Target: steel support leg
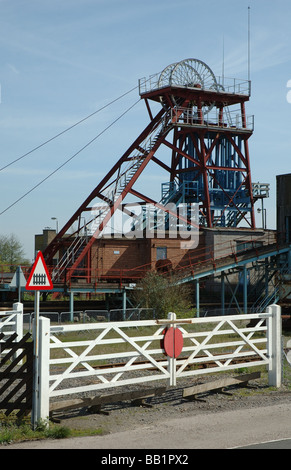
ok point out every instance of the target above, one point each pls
(266, 277)
(197, 298)
(71, 306)
(245, 288)
(222, 294)
(124, 304)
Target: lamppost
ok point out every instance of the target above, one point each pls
(264, 217)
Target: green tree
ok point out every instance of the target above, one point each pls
(11, 252)
(162, 294)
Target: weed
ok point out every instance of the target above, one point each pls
(22, 431)
(12, 430)
(57, 432)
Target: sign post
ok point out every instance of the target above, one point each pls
(172, 343)
(39, 280)
(18, 281)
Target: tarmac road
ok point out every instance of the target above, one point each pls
(221, 430)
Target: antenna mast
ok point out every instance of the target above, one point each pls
(249, 43)
(223, 60)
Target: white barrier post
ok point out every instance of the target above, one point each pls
(274, 325)
(18, 307)
(41, 401)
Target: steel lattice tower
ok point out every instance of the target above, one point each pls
(203, 124)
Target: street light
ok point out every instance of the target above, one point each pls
(264, 217)
(57, 223)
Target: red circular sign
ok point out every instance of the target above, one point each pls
(173, 342)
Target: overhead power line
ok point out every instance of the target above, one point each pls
(66, 130)
(69, 159)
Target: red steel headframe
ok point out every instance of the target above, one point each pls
(120, 180)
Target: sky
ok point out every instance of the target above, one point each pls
(61, 61)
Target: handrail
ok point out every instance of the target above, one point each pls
(231, 120)
(195, 262)
(63, 262)
(225, 85)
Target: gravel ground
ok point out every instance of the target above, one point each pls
(170, 421)
(123, 416)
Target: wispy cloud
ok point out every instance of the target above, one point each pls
(264, 54)
(13, 69)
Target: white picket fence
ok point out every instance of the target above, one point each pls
(11, 321)
(127, 353)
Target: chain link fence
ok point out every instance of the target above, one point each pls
(88, 316)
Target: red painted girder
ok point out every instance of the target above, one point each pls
(116, 205)
(208, 96)
(160, 206)
(53, 247)
(183, 154)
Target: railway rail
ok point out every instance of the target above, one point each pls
(139, 394)
(151, 366)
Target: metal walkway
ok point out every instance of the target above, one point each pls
(220, 267)
(276, 261)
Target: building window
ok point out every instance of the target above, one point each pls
(161, 252)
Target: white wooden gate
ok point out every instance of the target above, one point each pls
(11, 321)
(126, 353)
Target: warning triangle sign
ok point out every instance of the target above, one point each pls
(39, 278)
(18, 279)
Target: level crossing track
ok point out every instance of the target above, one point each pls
(138, 395)
(204, 365)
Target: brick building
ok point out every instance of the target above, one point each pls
(130, 258)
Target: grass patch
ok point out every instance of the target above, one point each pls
(22, 432)
(12, 430)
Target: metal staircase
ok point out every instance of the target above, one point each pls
(68, 258)
(111, 194)
(274, 282)
(127, 174)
